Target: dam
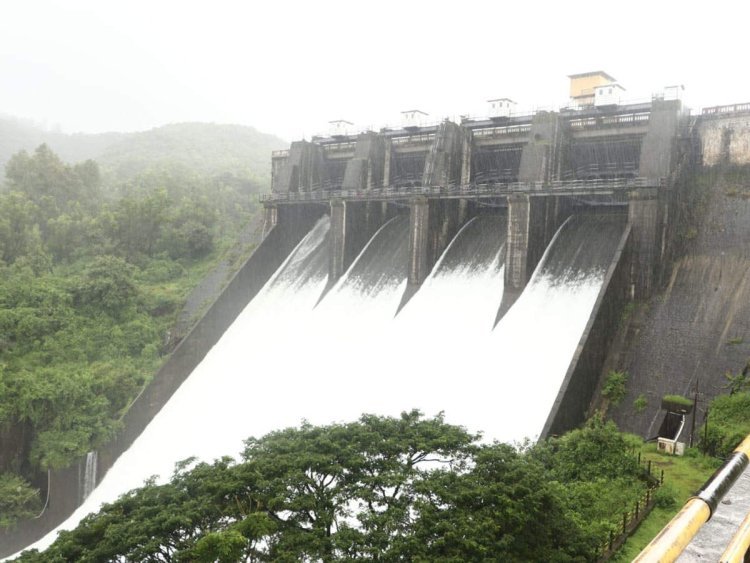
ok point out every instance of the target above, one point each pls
(420, 267)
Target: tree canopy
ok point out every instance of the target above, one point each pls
(388, 489)
(93, 272)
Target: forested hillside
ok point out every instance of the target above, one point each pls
(96, 259)
(209, 148)
(20, 134)
(222, 150)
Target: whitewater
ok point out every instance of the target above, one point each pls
(292, 356)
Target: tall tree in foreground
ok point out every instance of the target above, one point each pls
(388, 489)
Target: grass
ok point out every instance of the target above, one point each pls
(678, 400)
(684, 475)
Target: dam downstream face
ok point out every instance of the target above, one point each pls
(285, 359)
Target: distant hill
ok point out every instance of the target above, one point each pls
(202, 147)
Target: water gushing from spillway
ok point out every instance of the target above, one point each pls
(285, 359)
(88, 478)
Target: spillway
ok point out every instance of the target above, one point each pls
(535, 341)
(291, 356)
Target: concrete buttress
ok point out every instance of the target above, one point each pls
(419, 226)
(337, 256)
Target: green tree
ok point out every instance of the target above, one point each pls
(50, 183)
(391, 489)
(505, 509)
(19, 232)
(17, 500)
(138, 224)
(107, 285)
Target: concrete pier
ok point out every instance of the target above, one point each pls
(419, 236)
(270, 218)
(444, 163)
(365, 169)
(541, 157)
(527, 232)
(352, 225)
(303, 169)
(337, 257)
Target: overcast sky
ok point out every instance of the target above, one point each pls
(289, 67)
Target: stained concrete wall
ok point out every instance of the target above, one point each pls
(444, 163)
(577, 389)
(64, 489)
(541, 159)
(645, 215)
(697, 328)
(365, 170)
(658, 149)
(725, 140)
(419, 238)
(525, 244)
(303, 169)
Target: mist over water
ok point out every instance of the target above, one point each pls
(285, 359)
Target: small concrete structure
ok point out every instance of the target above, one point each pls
(340, 128)
(583, 85)
(413, 118)
(673, 92)
(501, 107)
(608, 95)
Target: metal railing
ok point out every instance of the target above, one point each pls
(631, 519)
(336, 147)
(723, 110)
(737, 550)
(559, 187)
(416, 138)
(679, 532)
(502, 130)
(640, 118)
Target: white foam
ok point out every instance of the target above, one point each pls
(285, 359)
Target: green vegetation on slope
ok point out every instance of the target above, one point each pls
(683, 475)
(92, 275)
(230, 151)
(727, 425)
(408, 488)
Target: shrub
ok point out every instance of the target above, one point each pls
(640, 403)
(614, 386)
(728, 424)
(665, 496)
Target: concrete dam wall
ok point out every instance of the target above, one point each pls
(509, 209)
(698, 328)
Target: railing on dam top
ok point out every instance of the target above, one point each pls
(470, 191)
(723, 110)
(595, 122)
